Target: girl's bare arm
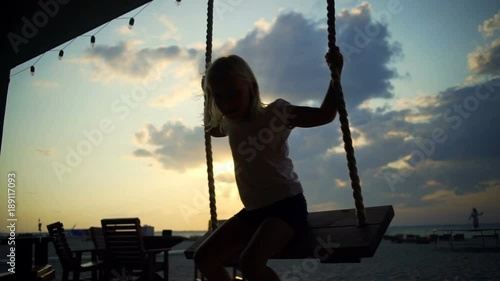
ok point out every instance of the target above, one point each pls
(303, 116)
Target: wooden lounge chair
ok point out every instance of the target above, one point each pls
(102, 254)
(97, 238)
(71, 260)
(125, 245)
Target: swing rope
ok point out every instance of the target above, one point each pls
(344, 122)
(341, 108)
(208, 140)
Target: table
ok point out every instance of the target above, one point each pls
(31, 257)
(156, 245)
(160, 242)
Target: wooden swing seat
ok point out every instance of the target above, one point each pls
(333, 236)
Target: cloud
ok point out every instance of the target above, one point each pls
(340, 183)
(368, 51)
(396, 134)
(457, 148)
(168, 101)
(431, 183)
(297, 72)
(225, 177)
(126, 30)
(45, 84)
(287, 55)
(486, 60)
(297, 45)
(490, 26)
(358, 139)
(452, 208)
(45, 151)
(179, 92)
(171, 31)
(126, 61)
(440, 195)
(323, 207)
(175, 146)
(142, 153)
(454, 152)
(410, 153)
(415, 103)
(470, 118)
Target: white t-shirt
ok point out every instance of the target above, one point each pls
(264, 172)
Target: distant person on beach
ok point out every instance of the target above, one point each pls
(474, 215)
(275, 209)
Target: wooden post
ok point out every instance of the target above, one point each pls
(4, 90)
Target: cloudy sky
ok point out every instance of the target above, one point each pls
(114, 130)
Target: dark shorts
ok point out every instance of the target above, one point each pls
(292, 210)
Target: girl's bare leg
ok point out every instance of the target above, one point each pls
(271, 237)
(226, 242)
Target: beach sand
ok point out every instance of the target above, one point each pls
(392, 261)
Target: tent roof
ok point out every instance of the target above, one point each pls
(33, 27)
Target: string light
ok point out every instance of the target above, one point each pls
(92, 40)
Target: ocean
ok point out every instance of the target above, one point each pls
(422, 230)
(392, 261)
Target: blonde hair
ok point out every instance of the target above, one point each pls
(231, 67)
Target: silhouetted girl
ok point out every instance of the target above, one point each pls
(275, 210)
